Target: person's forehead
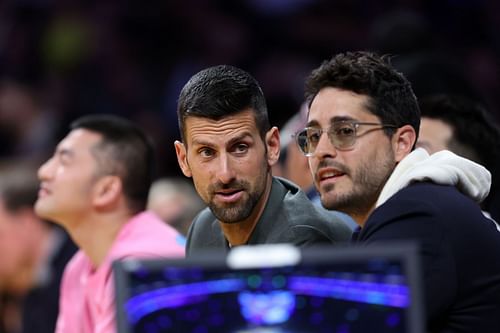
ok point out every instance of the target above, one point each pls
(236, 125)
(336, 104)
(79, 138)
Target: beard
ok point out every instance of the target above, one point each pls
(238, 211)
(242, 209)
(367, 183)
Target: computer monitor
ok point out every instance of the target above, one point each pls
(273, 289)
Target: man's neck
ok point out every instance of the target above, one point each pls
(96, 235)
(361, 217)
(238, 233)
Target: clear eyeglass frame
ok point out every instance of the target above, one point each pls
(342, 135)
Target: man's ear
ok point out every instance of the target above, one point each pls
(180, 150)
(107, 189)
(273, 145)
(403, 141)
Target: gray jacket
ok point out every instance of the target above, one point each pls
(289, 217)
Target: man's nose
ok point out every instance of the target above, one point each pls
(225, 173)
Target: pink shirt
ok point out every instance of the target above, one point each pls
(87, 295)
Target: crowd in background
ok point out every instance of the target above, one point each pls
(62, 59)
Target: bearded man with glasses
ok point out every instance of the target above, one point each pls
(366, 165)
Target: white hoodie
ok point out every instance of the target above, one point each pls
(444, 168)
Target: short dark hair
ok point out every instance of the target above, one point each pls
(219, 91)
(391, 97)
(126, 151)
(476, 135)
(19, 185)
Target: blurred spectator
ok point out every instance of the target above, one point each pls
(113, 56)
(35, 253)
(465, 127)
(175, 201)
(294, 166)
(95, 186)
(27, 129)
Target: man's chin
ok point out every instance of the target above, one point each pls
(229, 215)
(38, 208)
(331, 202)
(42, 211)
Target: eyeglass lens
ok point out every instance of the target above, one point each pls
(341, 135)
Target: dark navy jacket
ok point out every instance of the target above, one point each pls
(460, 254)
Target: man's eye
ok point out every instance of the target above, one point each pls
(344, 131)
(313, 136)
(206, 152)
(64, 159)
(241, 148)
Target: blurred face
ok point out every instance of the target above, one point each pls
(168, 206)
(349, 180)
(434, 135)
(229, 164)
(14, 243)
(67, 179)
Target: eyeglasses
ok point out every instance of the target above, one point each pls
(342, 135)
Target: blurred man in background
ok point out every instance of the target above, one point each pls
(465, 127)
(175, 201)
(27, 126)
(96, 186)
(34, 254)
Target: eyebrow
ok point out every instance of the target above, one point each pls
(64, 152)
(231, 142)
(240, 137)
(314, 123)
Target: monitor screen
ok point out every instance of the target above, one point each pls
(273, 289)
